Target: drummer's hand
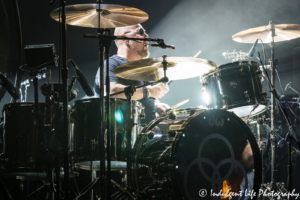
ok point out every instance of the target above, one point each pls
(161, 107)
(158, 91)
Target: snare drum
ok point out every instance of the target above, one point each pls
(85, 128)
(236, 87)
(208, 151)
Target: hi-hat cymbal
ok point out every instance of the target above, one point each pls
(283, 32)
(151, 69)
(112, 16)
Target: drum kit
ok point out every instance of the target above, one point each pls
(219, 147)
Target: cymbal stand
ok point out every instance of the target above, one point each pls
(291, 132)
(104, 45)
(273, 118)
(40, 131)
(65, 114)
(129, 91)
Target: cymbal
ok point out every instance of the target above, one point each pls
(283, 32)
(151, 69)
(112, 16)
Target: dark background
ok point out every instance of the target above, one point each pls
(190, 25)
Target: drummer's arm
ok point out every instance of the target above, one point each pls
(160, 107)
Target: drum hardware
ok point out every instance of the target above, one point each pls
(104, 43)
(129, 91)
(82, 79)
(235, 56)
(262, 32)
(291, 133)
(24, 86)
(9, 87)
(54, 91)
(6, 189)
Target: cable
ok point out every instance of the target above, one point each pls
(263, 47)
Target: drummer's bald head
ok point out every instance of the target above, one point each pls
(122, 30)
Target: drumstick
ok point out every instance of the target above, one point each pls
(197, 54)
(180, 104)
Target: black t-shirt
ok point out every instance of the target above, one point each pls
(115, 61)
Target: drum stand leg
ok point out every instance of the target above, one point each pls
(6, 189)
(98, 180)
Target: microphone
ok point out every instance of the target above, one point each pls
(9, 87)
(252, 50)
(287, 86)
(162, 45)
(82, 80)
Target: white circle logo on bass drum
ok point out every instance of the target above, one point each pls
(216, 178)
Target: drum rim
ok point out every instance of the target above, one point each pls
(29, 103)
(80, 101)
(230, 65)
(253, 143)
(251, 103)
(242, 61)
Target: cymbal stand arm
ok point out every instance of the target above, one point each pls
(162, 80)
(165, 65)
(113, 37)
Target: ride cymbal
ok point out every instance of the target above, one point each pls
(151, 69)
(283, 32)
(111, 16)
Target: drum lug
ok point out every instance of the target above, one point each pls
(225, 100)
(171, 166)
(203, 81)
(246, 93)
(242, 71)
(150, 135)
(171, 133)
(264, 95)
(142, 115)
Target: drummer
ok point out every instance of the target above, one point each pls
(128, 51)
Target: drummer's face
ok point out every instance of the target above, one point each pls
(140, 47)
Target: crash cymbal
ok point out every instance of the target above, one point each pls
(283, 32)
(112, 16)
(151, 69)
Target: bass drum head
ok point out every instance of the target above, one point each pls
(215, 151)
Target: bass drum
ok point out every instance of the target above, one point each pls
(211, 151)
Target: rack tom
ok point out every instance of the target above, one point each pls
(236, 87)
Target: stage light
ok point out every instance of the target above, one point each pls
(119, 116)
